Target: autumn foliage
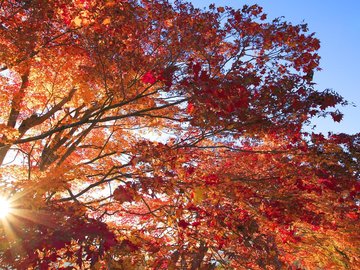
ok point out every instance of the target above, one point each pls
(149, 135)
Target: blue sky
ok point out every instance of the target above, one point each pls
(337, 25)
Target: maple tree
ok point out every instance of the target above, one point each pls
(150, 135)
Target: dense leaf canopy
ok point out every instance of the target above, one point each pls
(149, 135)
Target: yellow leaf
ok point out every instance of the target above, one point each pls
(198, 194)
(77, 21)
(106, 21)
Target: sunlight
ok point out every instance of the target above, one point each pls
(4, 207)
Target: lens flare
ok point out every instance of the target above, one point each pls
(4, 207)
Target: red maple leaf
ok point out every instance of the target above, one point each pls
(122, 195)
(337, 116)
(183, 224)
(148, 78)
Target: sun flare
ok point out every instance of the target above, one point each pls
(4, 207)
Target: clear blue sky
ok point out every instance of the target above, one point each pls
(337, 25)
